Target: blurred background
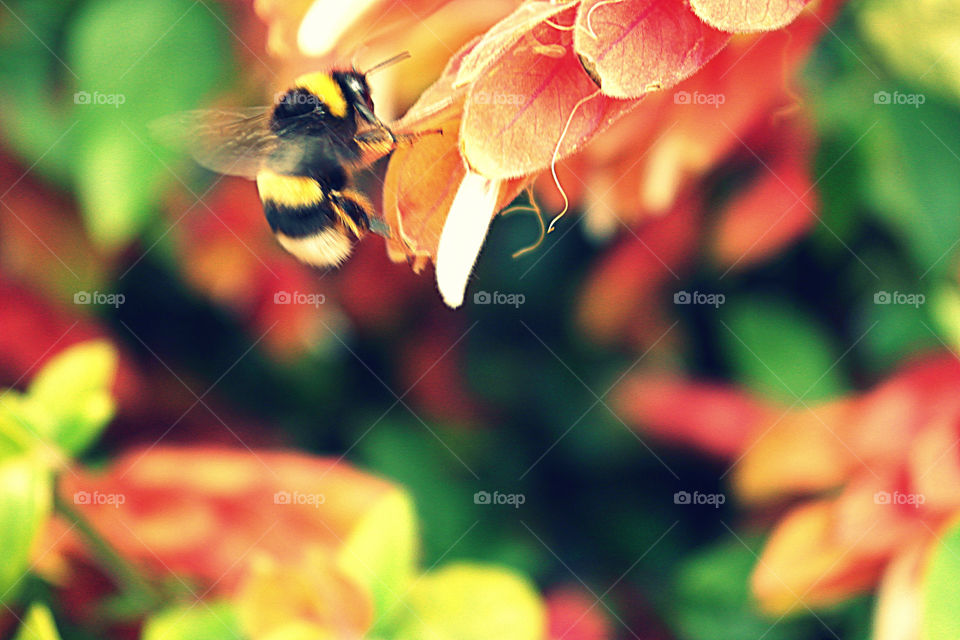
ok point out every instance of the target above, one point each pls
(755, 322)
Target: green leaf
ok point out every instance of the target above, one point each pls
(713, 600)
(38, 624)
(917, 38)
(473, 602)
(202, 621)
(901, 150)
(946, 312)
(396, 451)
(941, 590)
(26, 495)
(778, 350)
(32, 115)
(73, 391)
(116, 182)
(906, 183)
(16, 430)
(127, 78)
(382, 553)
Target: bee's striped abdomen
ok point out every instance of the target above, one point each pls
(316, 225)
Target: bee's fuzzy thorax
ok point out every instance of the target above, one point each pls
(323, 85)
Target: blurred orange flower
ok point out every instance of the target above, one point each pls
(202, 513)
(877, 473)
(538, 86)
(302, 546)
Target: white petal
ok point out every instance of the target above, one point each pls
(463, 234)
(326, 21)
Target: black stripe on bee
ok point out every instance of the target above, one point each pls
(300, 221)
(298, 206)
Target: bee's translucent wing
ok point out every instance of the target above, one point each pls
(234, 142)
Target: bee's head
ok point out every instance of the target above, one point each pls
(356, 92)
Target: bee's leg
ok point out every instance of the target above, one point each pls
(373, 145)
(407, 139)
(353, 209)
(377, 143)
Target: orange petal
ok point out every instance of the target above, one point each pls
(896, 410)
(419, 188)
(441, 100)
(315, 592)
(196, 510)
(521, 107)
(935, 463)
(717, 419)
(797, 452)
(746, 16)
(773, 211)
(637, 46)
(808, 563)
(503, 35)
(630, 279)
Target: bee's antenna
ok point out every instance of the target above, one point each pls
(400, 57)
(356, 55)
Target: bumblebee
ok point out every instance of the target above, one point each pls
(303, 153)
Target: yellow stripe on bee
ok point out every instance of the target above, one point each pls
(289, 191)
(322, 85)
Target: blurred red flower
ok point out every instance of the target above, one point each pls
(877, 475)
(200, 512)
(575, 616)
(277, 534)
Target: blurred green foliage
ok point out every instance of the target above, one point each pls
(81, 112)
(209, 621)
(941, 591)
(38, 624)
(66, 406)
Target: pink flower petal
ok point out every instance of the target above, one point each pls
(747, 16)
(636, 46)
(495, 42)
(523, 104)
